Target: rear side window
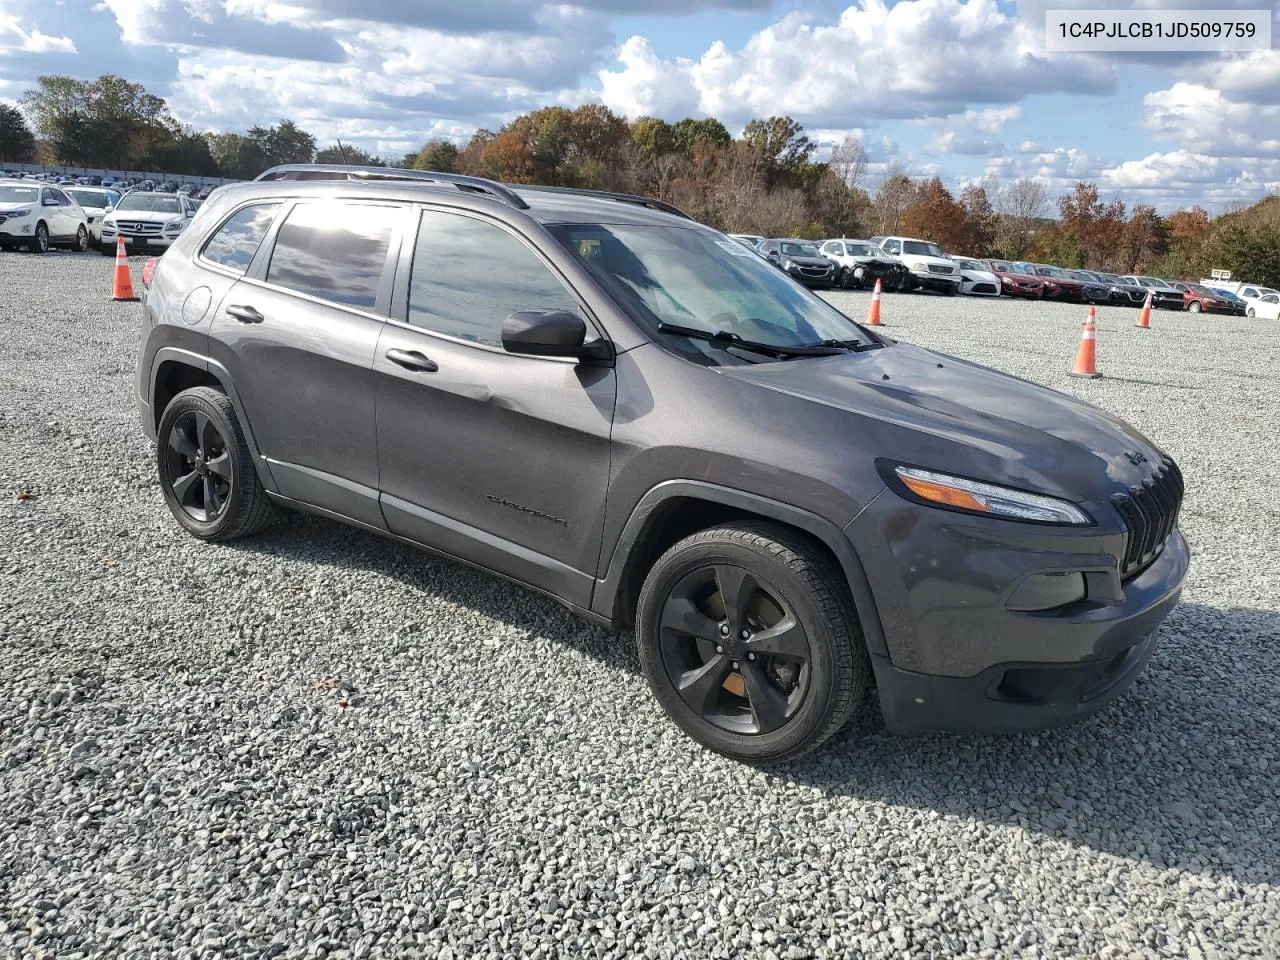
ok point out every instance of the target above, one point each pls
(468, 275)
(334, 251)
(238, 239)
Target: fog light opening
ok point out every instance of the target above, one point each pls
(1045, 591)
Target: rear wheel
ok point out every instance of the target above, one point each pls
(82, 240)
(749, 640)
(206, 469)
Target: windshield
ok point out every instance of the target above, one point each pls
(695, 278)
(1052, 272)
(863, 250)
(19, 194)
(1082, 275)
(92, 198)
(150, 202)
(792, 248)
(1203, 291)
(970, 264)
(1022, 268)
(922, 249)
(1153, 282)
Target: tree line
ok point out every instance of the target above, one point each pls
(764, 181)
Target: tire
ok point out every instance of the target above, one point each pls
(847, 280)
(39, 242)
(1250, 313)
(749, 702)
(82, 240)
(1195, 306)
(952, 290)
(240, 504)
(108, 250)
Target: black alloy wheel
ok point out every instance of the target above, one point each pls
(735, 652)
(198, 466)
(82, 240)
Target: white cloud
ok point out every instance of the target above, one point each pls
(867, 64)
(1201, 117)
(14, 38)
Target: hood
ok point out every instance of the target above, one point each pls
(926, 259)
(145, 216)
(986, 276)
(18, 205)
(987, 424)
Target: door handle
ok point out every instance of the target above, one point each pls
(245, 314)
(413, 360)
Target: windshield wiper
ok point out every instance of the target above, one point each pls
(854, 346)
(728, 339)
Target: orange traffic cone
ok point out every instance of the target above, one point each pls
(1144, 318)
(873, 310)
(1087, 353)
(122, 286)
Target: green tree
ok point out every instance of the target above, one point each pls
(286, 142)
(346, 153)
(237, 157)
(653, 138)
(784, 146)
(17, 142)
(439, 155)
(688, 133)
(106, 122)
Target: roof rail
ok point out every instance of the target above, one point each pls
(649, 202)
(342, 171)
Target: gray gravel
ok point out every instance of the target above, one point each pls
(318, 743)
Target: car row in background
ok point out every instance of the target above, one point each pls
(37, 215)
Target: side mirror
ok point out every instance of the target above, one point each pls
(50, 202)
(545, 333)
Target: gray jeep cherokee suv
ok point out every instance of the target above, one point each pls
(592, 395)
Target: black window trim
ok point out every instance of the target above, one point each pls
(208, 237)
(257, 272)
(399, 313)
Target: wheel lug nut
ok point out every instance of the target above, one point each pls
(719, 648)
(751, 656)
(724, 629)
(735, 664)
(746, 634)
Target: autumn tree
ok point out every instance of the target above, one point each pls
(895, 192)
(1094, 228)
(1144, 240)
(935, 215)
(1019, 209)
(438, 155)
(979, 220)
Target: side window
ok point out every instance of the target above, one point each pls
(238, 239)
(890, 246)
(333, 250)
(468, 275)
(47, 194)
(62, 198)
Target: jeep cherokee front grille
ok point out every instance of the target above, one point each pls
(1150, 511)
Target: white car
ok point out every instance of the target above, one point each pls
(36, 216)
(930, 267)
(976, 278)
(146, 221)
(96, 202)
(1266, 306)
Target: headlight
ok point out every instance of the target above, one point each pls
(974, 496)
(788, 264)
(15, 214)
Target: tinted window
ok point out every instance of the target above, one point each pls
(335, 251)
(237, 241)
(468, 275)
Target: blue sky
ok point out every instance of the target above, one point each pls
(962, 89)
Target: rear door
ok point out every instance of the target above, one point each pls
(298, 333)
(499, 459)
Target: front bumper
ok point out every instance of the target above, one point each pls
(941, 282)
(827, 279)
(955, 657)
(133, 241)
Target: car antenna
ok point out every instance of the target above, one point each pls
(342, 150)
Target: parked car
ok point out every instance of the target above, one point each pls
(799, 259)
(976, 279)
(38, 216)
(1239, 306)
(1245, 291)
(999, 555)
(96, 202)
(147, 221)
(930, 267)
(1017, 279)
(1197, 298)
(861, 263)
(1093, 288)
(1265, 307)
(1124, 293)
(1059, 284)
(1163, 296)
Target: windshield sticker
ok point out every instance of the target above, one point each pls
(733, 247)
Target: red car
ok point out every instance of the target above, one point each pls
(1197, 298)
(1058, 284)
(1016, 281)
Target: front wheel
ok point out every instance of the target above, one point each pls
(82, 240)
(952, 289)
(749, 640)
(206, 469)
(108, 249)
(1250, 312)
(39, 242)
(1195, 306)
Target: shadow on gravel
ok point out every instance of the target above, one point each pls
(1183, 771)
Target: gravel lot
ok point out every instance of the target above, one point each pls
(319, 743)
